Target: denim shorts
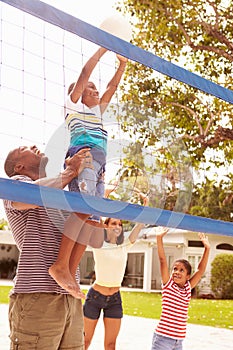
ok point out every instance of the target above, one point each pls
(160, 342)
(110, 304)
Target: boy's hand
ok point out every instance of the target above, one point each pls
(204, 239)
(122, 58)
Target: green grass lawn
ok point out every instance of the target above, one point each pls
(215, 313)
(4, 291)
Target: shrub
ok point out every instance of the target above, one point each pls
(221, 276)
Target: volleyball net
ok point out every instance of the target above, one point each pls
(43, 50)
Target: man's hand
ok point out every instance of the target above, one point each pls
(79, 161)
(88, 162)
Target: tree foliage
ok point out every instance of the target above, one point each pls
(199, 36)
(213, 200)
(221, 276)
(165, 114)
(4, 224)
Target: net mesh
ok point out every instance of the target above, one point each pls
(39, 60)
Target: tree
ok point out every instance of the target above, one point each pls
(164, 113)
(221, 276)
(3, 224)
(198, 35)
(213, 200)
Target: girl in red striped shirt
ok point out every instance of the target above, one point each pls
(176, 295)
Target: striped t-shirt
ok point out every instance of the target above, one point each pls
(37, 233)
(175, 302)
(85, 126)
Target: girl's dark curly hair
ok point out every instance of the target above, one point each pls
(187, 265)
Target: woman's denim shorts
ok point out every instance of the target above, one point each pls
(110, 304)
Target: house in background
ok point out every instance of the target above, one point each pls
(142, 269)
(9, 255)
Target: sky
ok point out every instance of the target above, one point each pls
(90, 11)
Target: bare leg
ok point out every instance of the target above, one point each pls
(89, 329)
(75, 259)
(112, 328)
(91, 234)
(60, 270)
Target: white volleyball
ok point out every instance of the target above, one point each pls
(118, 26)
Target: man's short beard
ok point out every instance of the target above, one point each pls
(43, 163)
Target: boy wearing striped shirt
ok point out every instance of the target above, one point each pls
(85, 124)
(176, 295)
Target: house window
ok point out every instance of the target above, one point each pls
(90, 263)
(170, 261)
(224, 246)
(194, 261)
(135, 264)
(197, 244)
(139, 264)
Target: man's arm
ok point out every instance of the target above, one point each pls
(74, 166)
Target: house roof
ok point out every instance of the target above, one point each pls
(174, 236)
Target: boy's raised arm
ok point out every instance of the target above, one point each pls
(84, 76)
(113, 83)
